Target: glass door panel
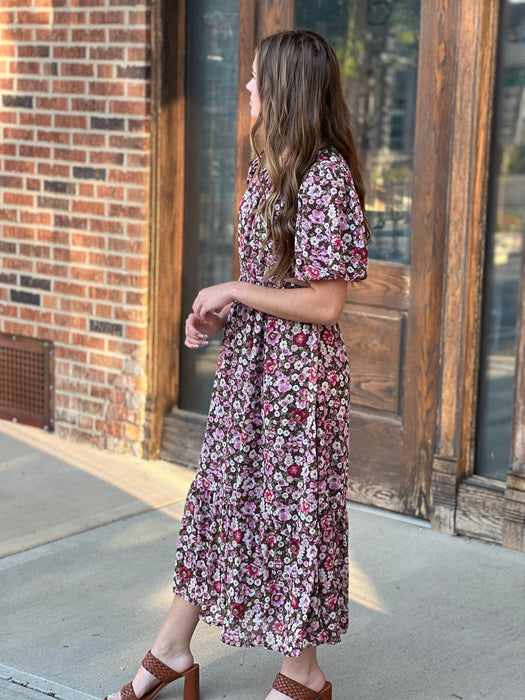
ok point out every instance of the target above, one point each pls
(503, 283)
(377, 44)
(211, 107)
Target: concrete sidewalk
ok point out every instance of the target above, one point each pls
(87, 543)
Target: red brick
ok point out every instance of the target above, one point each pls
(128, 36)
(32, 67)
(127, 212)
(70, 18)
(15, 328)
(135, 229)
(29, 119)
(36, 217)
(61, 137)
(106, 71)
(8, 50)
(33, 184)
(107, 88)
(20, 232)
(35, 151)
(110, 192)
(71, 354)
(137, 160)
(137, 195)
(37, 315)
(7, 117)
(53, 334)
(103, 53)
(52, 36)
(87, 274)
(105, 260)
(32, 85)
(33, 51)
(86, 189)
(97, 208)
(140, 90)
(35, 17)
(16, 35)
(54, 170)
(35, 251)
(136, 332)
(70, 321)
(132, 315)
(52, 103)
(79, 105)
(139, 17)
(69, 255)
(76, 306)
(19, 166)
(120, 279)
(106, 361)
(86, 423)
(70, 87)
(139, 143)
(106, 157)
(137, 264)
(121, 347)
(77, 69)
(88, 241)
(49, 301)
(11, 181)
(139, 125)
(63, 221)
(107, 294)
(70, 288)
(87, 139)
(8, 214)
(7, 149)
(23, 200)
(7, 310)
(88, 373)
(91, 36)
(100, 392)
(88, 341)
(69, 52)
(135, 178)
(19, 134)
(7, 84)
(70, 121)
(106, 226)
(52, 236)
(50, 270)
(104, 311)
(73, 155)
(18, 264)
(128, 107)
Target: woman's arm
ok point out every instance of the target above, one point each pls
(321, 302)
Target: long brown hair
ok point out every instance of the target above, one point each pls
(302, 110)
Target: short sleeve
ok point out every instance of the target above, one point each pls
(330, 237)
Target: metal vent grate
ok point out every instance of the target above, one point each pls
(26, 386)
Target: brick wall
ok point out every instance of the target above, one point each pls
(74, 181)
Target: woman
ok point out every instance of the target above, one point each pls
(262, 550)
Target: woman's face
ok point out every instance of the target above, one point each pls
(251, 86)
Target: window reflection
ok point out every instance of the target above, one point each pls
(504, 250)
(377, 43)
(211, 106)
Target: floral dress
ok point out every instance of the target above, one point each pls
(263, 547)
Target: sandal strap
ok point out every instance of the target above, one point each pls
(127, 692)
(294, 690)
(164, 673)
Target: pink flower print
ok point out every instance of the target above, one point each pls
(294, 470)
(283, 513)
(299, 338)
(278, 626)
(237, 442)
(283, 384)
(191, 507)
(294, 602)
(267, 407)
(252, 570)
(294, 547)
(330, 602)
(218, 586)
(238, 610)
(238, 535)
(249, 508)
(312, 273)
(332, 378)
(329, 562)
(270, 539)
(205, 484)
(268, 496)
(313, 374)
(244, 436)
(328, 336)
(273, 337)
(317, 216)
(269, 366)
(184, 573)
(298, 415)
(305, 506)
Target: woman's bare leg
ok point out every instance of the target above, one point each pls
(304, 669)
(172, 645)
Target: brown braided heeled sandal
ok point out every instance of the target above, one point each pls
(296, 691)
(165, 675)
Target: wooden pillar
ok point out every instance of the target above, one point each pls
(475, 37)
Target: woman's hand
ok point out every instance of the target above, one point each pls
(198, 332)
(212, 300)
